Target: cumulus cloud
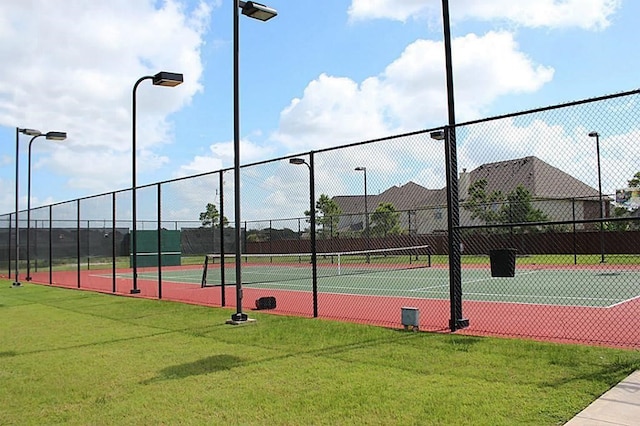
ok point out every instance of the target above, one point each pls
(76, 70)
(585, 14)
(221, 155)
(410, 93)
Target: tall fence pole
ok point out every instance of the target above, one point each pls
(453, 222)
(222, 285)
(312, 216)
(50, 244)
(78, 266)
(159, 245)
(113, 242)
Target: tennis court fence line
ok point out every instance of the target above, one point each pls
(407, 221)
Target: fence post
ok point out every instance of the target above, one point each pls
(159, 218)
(222, 285)
(50, 244)
(78, 240)
(113, 242)
(453, 222)
(9, 245)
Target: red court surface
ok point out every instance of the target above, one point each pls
(615, 326)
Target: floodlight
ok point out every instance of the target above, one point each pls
(297, 161)
(168, 79)
(257, 10)
(30, 132)
(437, 135)
(56, 136)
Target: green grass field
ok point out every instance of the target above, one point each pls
(76, 357)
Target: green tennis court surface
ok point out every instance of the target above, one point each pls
(565, 287)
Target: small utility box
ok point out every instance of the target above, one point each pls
(410, 318)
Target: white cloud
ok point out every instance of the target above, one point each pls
(585, 14)
(411, 93)
(222, 156)
(389, 9)
(76, 70)
(332, 111)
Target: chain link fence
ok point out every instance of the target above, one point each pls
(544, 245)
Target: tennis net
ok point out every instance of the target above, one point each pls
(276, 267)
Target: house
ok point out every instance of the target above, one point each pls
(560, 196)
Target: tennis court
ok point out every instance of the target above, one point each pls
(559, 302)
(562, 286)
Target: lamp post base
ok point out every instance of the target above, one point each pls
(240, 318)
(458, 324)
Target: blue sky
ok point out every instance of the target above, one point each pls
(310, 79)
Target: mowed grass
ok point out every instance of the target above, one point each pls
(77, 357)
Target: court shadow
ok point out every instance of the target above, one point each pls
(206, 365)
(8, 354)
(464, 343)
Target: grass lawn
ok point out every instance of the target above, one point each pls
(77, 357)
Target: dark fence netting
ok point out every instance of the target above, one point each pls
(523, 225)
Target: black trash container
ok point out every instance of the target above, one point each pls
(503, 262)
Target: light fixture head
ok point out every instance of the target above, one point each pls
(594, 134)
(30, 132)
(168, 79)
(56, 136)
(257, 11)
(360, 169)
(437, 135)
(297, 161)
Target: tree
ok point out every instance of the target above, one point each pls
(494, 207)
(482, 205)
(385, 221)
(210, 217)
(330, 215)
(625, 210)
(518, 208)
(619, 211)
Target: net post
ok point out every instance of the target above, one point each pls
(203, 283)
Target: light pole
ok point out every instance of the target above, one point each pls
(52, 136)
(456, 321)
(597, 136)
(453, 217)
(366, 210)
(28, 132)
(312, 216)
(163, 78)
(262, 13)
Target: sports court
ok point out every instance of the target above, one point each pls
(408, 277)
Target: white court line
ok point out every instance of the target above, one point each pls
(540, 296)
(366, 276)
(519, 274)
(426, 289)
(624, 301)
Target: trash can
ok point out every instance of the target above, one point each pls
(503, 262)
